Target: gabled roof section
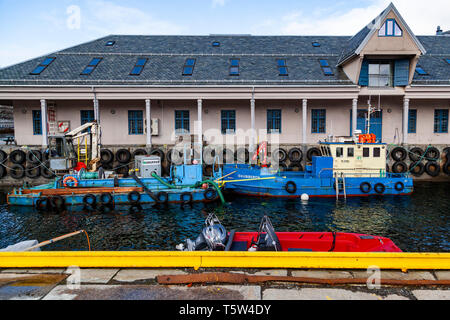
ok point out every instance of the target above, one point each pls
(357, 43)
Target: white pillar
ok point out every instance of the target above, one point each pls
(405, 120)
(354, 115)
(252, 146)
(96, 110)
(148, 122)
(304, 121)
(44, 123)
(199, 120)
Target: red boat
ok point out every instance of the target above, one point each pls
(214, 237)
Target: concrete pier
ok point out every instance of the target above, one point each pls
(143, 284)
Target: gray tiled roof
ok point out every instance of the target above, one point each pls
(167, 54)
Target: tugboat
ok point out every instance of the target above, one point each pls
(214, 237)
(346, 168)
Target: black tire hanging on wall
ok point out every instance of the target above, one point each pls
(139, 152)
(17, 171)
(415, 154)
(399, 154)
(379, 188)
(17, 156)
(432, 154)
(34, 156)
(282, 166)
(313, 152)
(3, 156)
(446, 153)
(295, 155)
(291, 187)
(432, 168)
(228, 156)
(106, 156)
(123, 156)
(33, 171)
(279, 155)
(157, 152)
(365, 187)
(242, 155)
(417, 169)
(3, 171)
(446, 168)
(399, 167)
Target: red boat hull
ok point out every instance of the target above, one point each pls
(320, 242)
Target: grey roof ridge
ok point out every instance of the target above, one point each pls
(202, 54)
(169, 81)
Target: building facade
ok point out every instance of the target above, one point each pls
(239, 90)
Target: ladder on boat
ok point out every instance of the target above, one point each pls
(339, 184)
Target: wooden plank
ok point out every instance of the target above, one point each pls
(70, 191)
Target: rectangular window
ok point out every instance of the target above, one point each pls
(273, 121)
(188, 68)
(139, 66)
(376, 152)
(91, 66)
(350, 152)
(412, 121)
(318, 121)
(420, 71)
(86, 117)
(135, 122)
(228, 120)
(325, 67)
(380, 74)
(339, 152)
(441, 121)
(40, 68)
(37, 122)
(366, 152)
(182, 124)
(234, 67)
(282, 67)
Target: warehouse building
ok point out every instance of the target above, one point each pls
(239, 90)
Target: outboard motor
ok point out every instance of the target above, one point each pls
(213, 237)
(267, 238)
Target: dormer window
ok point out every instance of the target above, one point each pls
(390, 29)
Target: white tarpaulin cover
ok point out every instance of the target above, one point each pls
(21, 246)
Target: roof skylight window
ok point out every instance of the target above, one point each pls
(139, 66)
(326, 67)
(234, 67)
(40, 68)
(91, 66)
(282, 67)
(316, 44)
(448, 61)
(420, 71)
(216, 44)
(110, 43)
(188, 68)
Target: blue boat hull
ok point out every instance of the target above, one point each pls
(256, 181)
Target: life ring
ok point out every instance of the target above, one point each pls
(68, 179)
(379, 188)
(134, 197)
(189, 198)
(210, 194)
(60, 126)
(399, 186)
(365, 187)
(291, 187)
(163, 197)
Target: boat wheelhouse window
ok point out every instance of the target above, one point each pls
(350, 152)
(339, 152)
(366, 152)
(376, 152)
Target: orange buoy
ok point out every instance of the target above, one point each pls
(68, 179)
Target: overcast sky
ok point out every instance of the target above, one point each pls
(31, 28)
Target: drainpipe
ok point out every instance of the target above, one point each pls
(97, 116)
(44, 122)
(252, 117)
(405, 120)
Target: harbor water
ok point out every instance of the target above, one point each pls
(416, 223)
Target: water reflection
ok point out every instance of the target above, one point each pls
(415, 223)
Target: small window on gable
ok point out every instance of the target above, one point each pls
(188, 68)
(38, 70)
(110, 43)
(316, 44)
(390, 28)
(216, 44)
